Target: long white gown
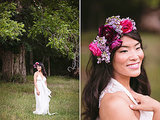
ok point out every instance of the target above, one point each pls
(42, 100)
(114, 86)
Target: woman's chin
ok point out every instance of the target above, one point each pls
(135, 74)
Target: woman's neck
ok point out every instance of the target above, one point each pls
(124, 80)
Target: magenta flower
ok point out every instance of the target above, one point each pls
(126, 26)
(94, 49)
(108, 32)
(109, 37)
(115, 44)
(35, 65)
(102, 32)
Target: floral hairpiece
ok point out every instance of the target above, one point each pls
(109, 37)
(35, 65)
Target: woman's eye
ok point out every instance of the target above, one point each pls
(138, 48)
(123, 51)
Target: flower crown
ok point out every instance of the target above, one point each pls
(109, 37)
(35, 65)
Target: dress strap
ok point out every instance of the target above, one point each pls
(124, 89)
(115, 86)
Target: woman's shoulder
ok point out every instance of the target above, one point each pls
(115, 103)
(36, 73)
(111, 99)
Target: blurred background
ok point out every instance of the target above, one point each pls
(146, 13)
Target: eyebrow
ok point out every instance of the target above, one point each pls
(128, 46)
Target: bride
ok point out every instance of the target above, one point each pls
(118, 84)
(42, 93)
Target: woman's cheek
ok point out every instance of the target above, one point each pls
(123, 57)
(141, 54)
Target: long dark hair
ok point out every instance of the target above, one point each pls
(43, 69)
(99, 77)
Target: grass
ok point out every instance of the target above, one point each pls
(151, 43)
(18, 100)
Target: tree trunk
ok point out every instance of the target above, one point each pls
(19, 66)
(49, 68)
(7, 65)
(14, 64)
(43, 59)
(31, 62)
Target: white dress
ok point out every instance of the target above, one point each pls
(114, 86)
(42, 100)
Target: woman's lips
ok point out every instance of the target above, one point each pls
(133, 65)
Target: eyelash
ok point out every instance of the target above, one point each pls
(138, 48)
(123, 51)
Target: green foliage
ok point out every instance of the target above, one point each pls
(59, 25)
(9, 28)
(47, 28)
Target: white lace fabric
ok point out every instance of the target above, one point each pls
(115, 86)
(42, 100)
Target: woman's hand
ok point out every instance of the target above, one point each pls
(38, 93)
(146, 103)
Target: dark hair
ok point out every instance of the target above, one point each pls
(43, 69)
(99, 77)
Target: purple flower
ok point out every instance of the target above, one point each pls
(109, 37)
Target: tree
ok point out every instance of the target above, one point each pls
(10, 30)
(59, 25)
(49, 28)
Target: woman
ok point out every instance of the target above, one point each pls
(42, 93)
(117, 74)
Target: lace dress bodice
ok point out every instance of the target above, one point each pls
(114, 86)
(39, 78)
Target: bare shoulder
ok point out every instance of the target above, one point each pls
(111, 100)
(36, 73)
(114, 107)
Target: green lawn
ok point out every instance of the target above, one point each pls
(17, 101)
(151, 43)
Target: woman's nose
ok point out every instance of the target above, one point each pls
(133, 55)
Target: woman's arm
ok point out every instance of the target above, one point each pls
(114, 107)
(35, 83)
(147, 103)
(46, 82)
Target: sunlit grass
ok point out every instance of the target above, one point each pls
(18, 101)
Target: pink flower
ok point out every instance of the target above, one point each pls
(126, 26)
(35, 65)
(115, 44)
(94, 49)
